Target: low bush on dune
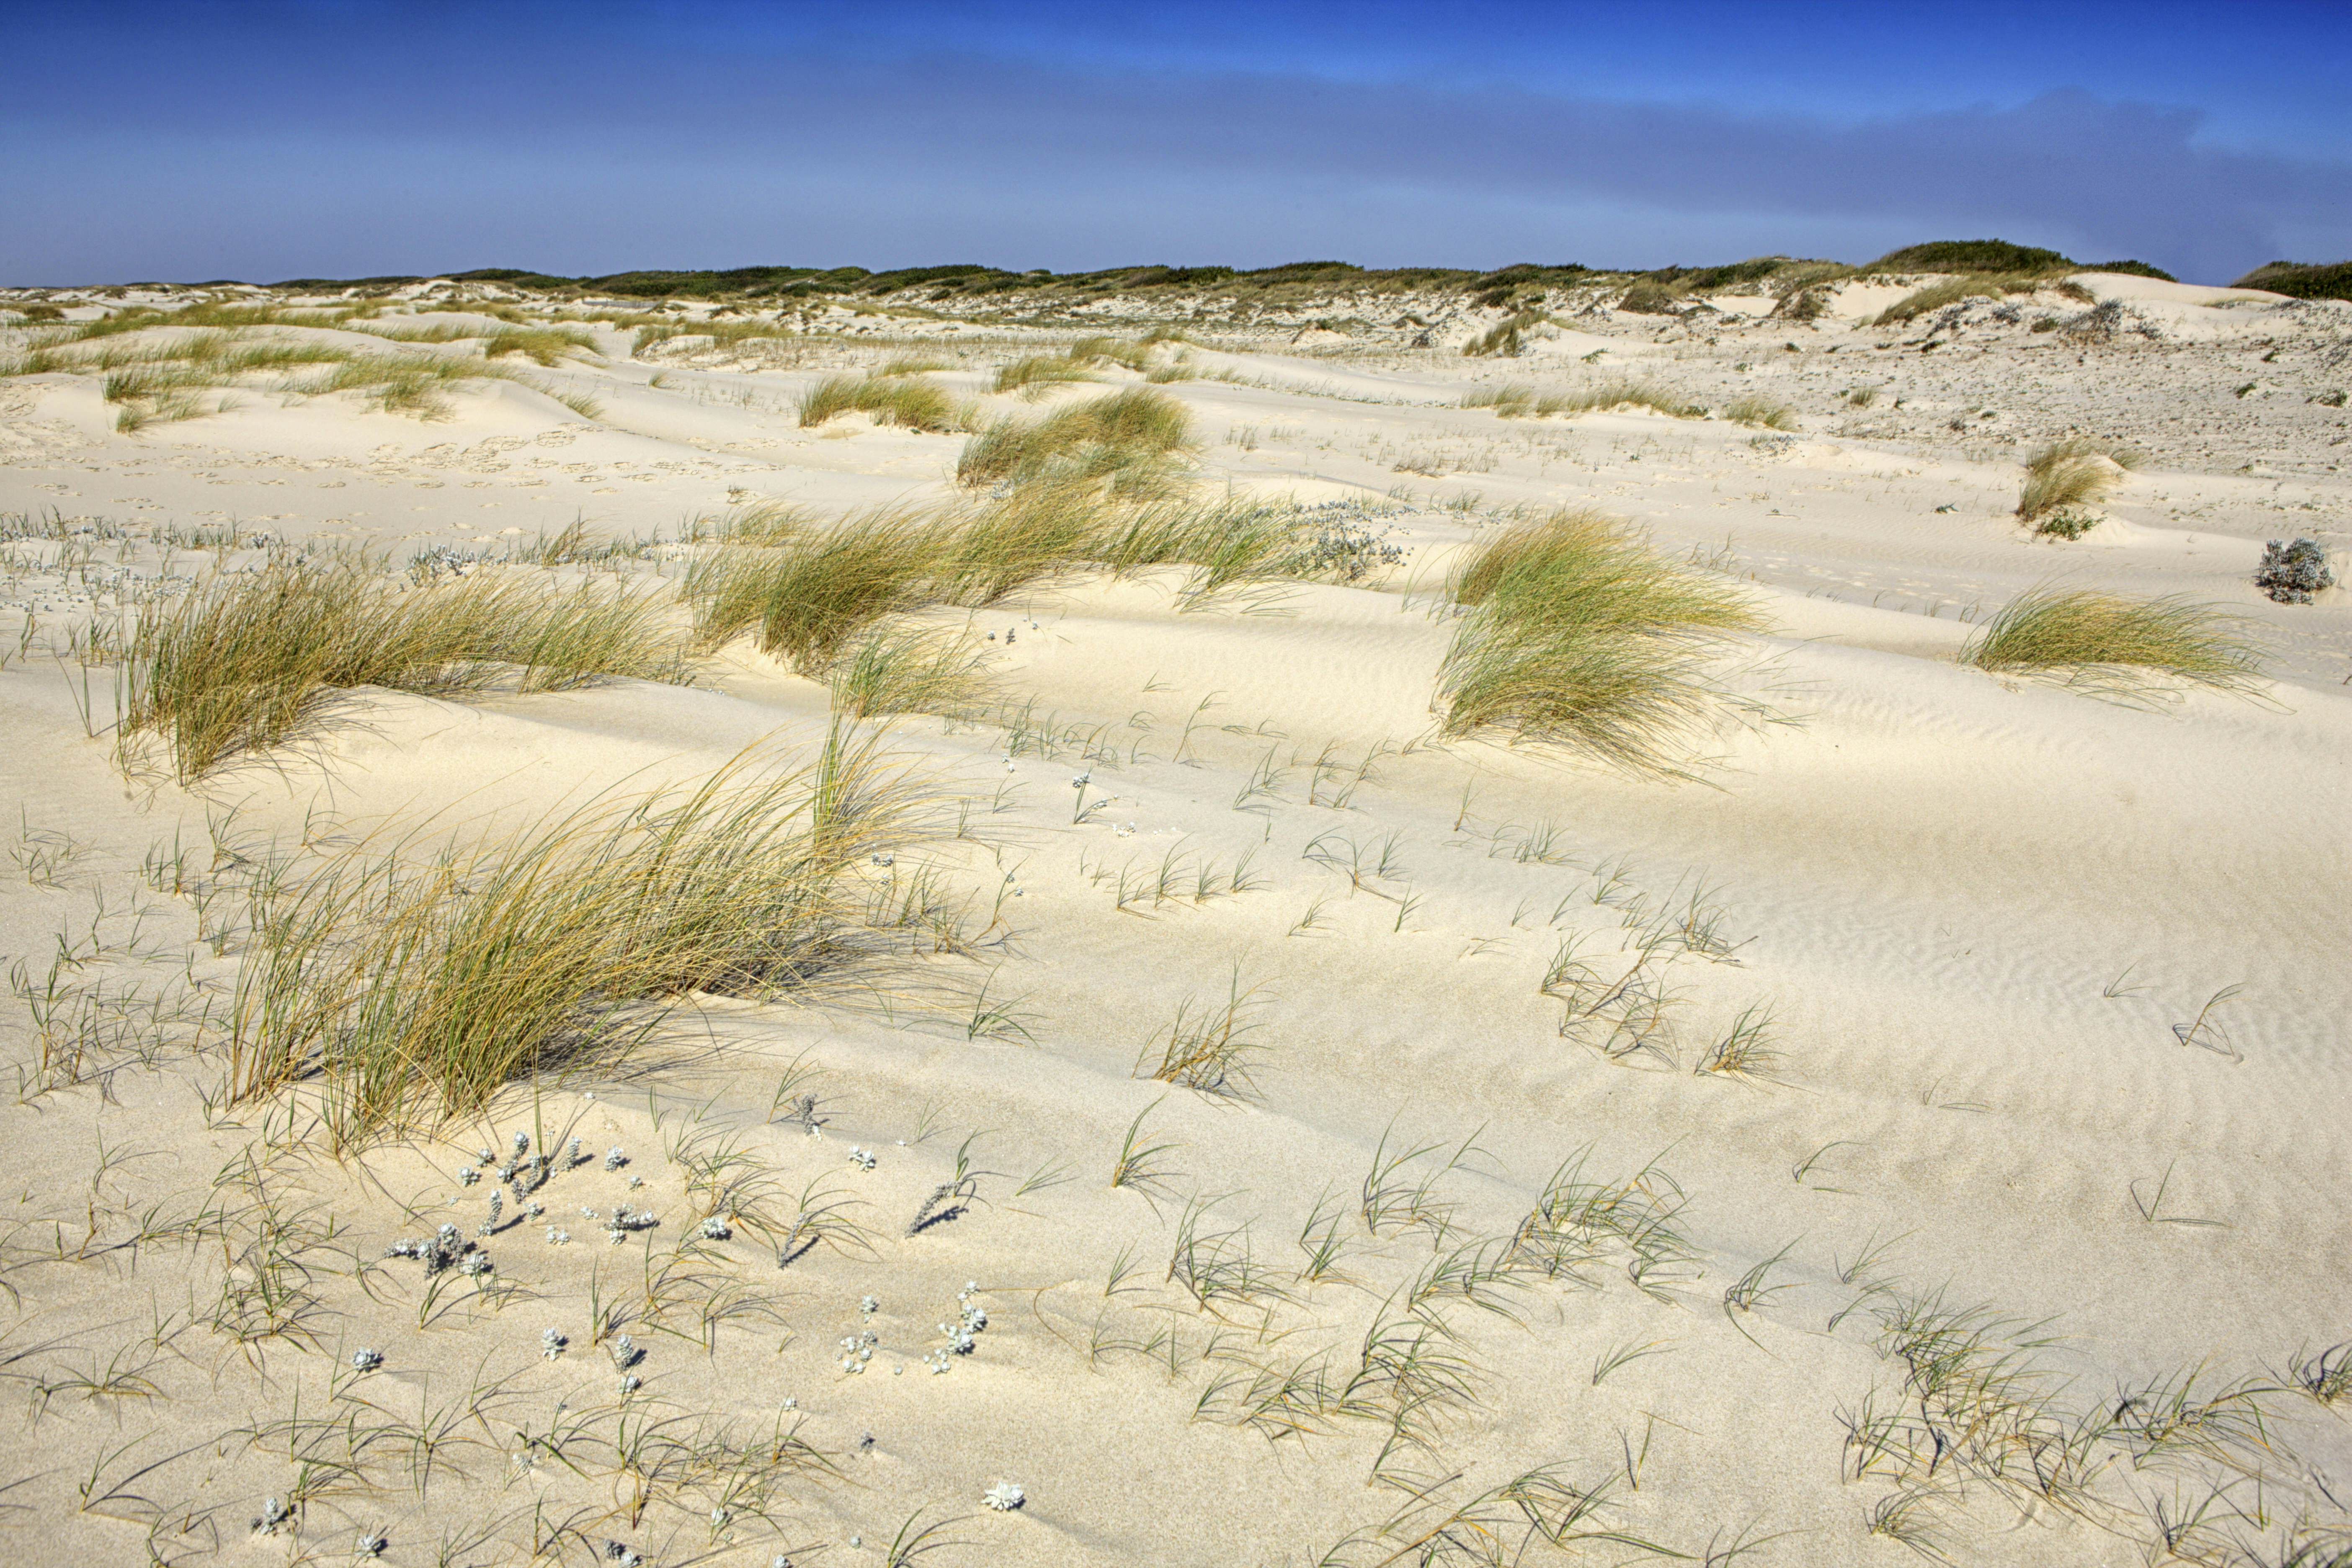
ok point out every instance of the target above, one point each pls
(2113, 643)
(891, 399)
(1133, 441)
(2291, 574)
(242, 663)
(411, 982)
(2076, 472)
(1577, 633)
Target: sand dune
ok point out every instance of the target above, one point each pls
(2020, 1241)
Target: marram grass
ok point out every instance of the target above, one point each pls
(2114, 643)
(1134, 440)
(890, 399)
(238, 664)
(411, 982)
(807, 591)
(1579, 634)
(2078, 471)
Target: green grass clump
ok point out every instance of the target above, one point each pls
(1507, 337)
(546, 346)
(1579, 634)
(1952, 290)
(909, 668)
(890, 399)
(2115, 644)
(242, 663)
(1760, 411)
(808, 591)
(1132, 440)
(1039, 371)
(2073, 472)
(1514, 402)
(411, 983)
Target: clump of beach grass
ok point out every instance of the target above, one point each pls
(1579, 634)
(1132, 440)
(1040, 372)
(1510, 401)
(241, 663)
(891, 399)
(412, 980)
(1760, 411)
(1952, 290)
(909, 668)
(807, 590)
(2113, 643)
(2076, 472)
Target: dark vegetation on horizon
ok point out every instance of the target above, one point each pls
(2303, 279)
(1497, 288)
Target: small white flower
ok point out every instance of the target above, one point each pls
(1080, 781)
(1004, 1497)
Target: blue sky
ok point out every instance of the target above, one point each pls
(196, 140)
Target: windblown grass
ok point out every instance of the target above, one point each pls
(890, 399)
(2115, 644)
(1760, 411)
(909, 668)
(1952, 290)
(545, 346)
(808, 591)
(413, 981)
(1579, 634)
(1132, 440)
(1040, 370)
(2079, 470)
(1515, 401)
(238, 664)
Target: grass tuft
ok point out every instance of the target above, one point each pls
(2111, 642)
(1579, 634)
(2077, 471)
(1760, 411)
(1131, 439)
(890, 399)
(241, 663)
(417, 982)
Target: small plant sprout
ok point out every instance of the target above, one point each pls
(572, 1154)
(274, 1516)
(625, 1352)
(1004, 1497)
(2205, 1031)
(551, 1343)
(366, 1360)
(715, 1228)
(861, 1158)
(468, 1175)
(1079, 782)
(490, 1224)
(2328, 1376)
(1139, 1165)
(614, 1159)
(368, 1544)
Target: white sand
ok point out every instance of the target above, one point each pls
(1976, 909)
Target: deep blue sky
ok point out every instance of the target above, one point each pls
(194, 141)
